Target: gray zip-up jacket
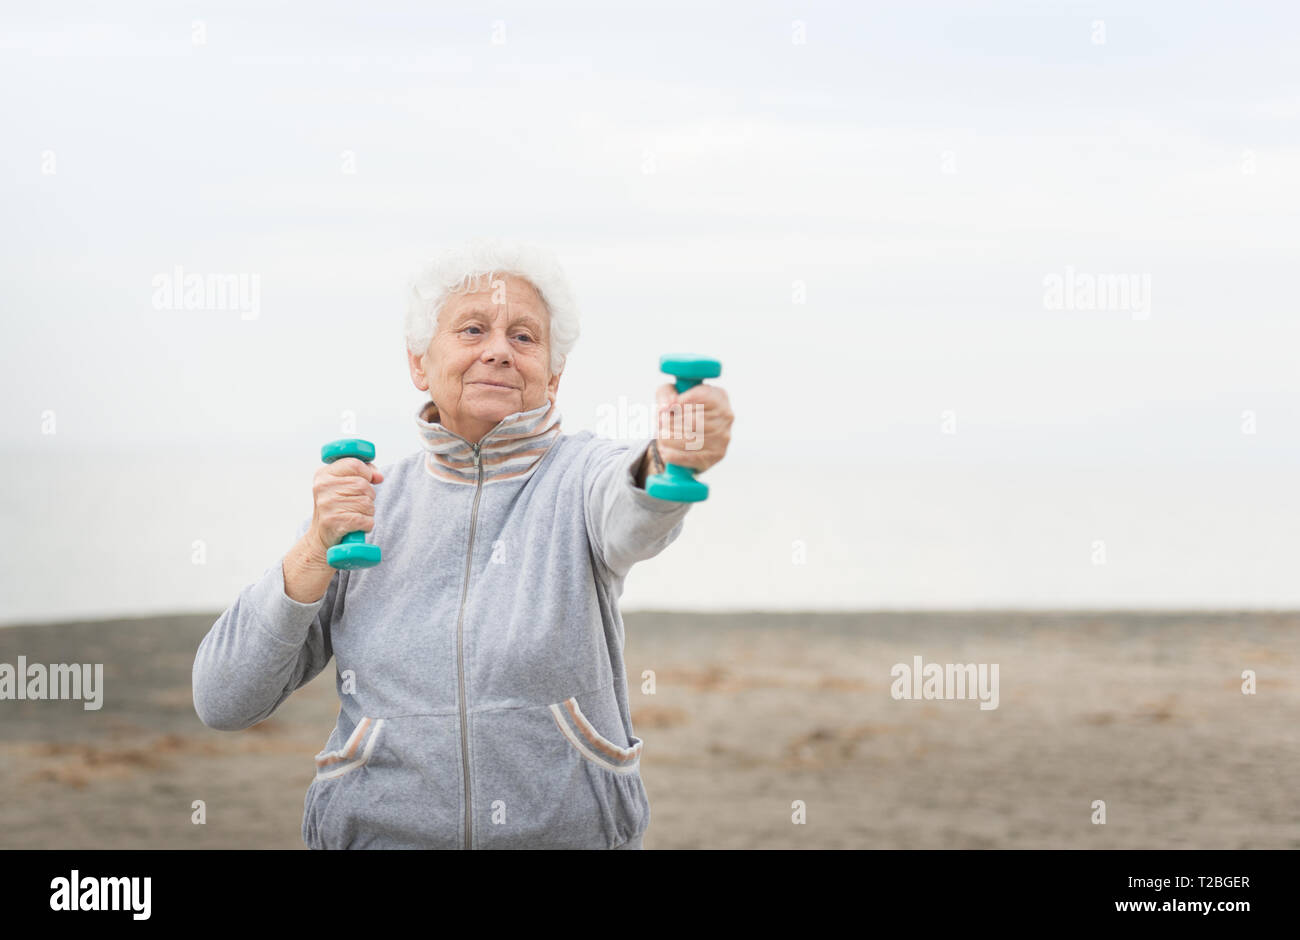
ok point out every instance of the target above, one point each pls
(484, 698)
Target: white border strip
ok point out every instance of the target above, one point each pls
(365, 755)
(558, 713)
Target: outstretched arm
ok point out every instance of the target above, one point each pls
(263, 648)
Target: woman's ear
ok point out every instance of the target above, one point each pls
(417, 371)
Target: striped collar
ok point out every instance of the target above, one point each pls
(509, 451)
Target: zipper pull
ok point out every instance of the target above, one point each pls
(476, 454)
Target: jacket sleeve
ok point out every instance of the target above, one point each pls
(625, 523)
(262, 649)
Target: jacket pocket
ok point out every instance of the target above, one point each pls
(554, 777)
(395, 783)
(590, 743)
(355, 752)
(335, 768)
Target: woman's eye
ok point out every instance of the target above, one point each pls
(476, 330)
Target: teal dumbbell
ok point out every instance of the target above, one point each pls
(352, 550)
(679, 483)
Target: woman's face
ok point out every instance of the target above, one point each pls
(490, 357)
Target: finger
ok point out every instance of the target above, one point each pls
(360, 522)
(665, 395)
(358, 506)
(690, 450)
(704, 393)
(348, 466)
(704, 401)
(696, 395)
(687, 421)
(691, 459)
(361, 490)
(668, 413)
(348, 502)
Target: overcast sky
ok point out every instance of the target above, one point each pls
(890, 223)
(922, 169)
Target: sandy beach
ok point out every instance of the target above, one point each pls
(751, 712)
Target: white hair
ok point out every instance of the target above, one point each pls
(472, 267)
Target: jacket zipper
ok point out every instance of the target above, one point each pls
(460, 660)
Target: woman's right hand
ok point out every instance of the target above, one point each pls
(344, 501)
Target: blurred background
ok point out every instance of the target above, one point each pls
(1004, 296)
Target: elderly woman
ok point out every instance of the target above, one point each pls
(483, 695)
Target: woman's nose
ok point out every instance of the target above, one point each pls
(498, 349)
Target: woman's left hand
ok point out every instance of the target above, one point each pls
(694, 428)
